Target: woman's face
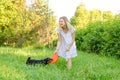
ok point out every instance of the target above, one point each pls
(62, 23)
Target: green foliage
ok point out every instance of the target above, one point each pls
(100, 37)
(117, 16)
(95, 15)
(107, 15)
(85, 66)
(22, 26)
(7, 13)
(83, 16)
(80, 18)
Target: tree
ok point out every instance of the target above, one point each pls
(107, 15)
(22, 26)
(117, 16)
(8, 18)
(81, 17)
(95, 15)
(44, 20)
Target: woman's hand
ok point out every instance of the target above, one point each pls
(67, 49)
(70, 45)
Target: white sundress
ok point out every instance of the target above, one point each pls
(66, 40)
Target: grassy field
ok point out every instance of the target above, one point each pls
(85, 66)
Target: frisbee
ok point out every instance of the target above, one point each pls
(54, 58)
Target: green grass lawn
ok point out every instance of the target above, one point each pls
(85, 66)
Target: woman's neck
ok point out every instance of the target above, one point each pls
(64, 28)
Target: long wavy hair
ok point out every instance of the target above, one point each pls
(68, 25)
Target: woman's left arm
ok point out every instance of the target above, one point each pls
(73, 40)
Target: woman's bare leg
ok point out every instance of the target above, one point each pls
(69, 63)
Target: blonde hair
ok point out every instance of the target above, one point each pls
(68, 25)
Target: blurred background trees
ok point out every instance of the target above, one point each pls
(25, 26)
(83, 16)
(97, 31)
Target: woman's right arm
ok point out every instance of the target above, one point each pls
(58, 43)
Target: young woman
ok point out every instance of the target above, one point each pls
(66, 47)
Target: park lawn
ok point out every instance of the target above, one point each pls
(85, 66)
